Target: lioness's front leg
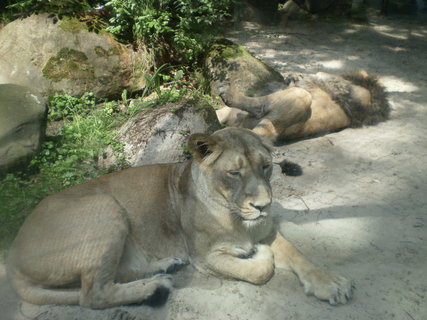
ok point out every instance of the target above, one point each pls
(315, 280)
(257, 268)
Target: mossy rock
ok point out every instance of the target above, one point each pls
(159, 135)
(68, 63)
(22, 126)
(71, 24)
(66, 57)
(227, 63)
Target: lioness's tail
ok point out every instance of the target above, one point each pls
(35, 294)
(378, 109)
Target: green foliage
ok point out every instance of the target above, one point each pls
(170, 27)
(5, 15)
(85, 134)
(162, 76)
(58, 7)
(176, 30)
(64, 106)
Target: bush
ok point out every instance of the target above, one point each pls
(25, 8)
(173, 28)
(63, 106)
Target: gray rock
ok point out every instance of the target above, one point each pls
(22, 126)
(64, 56)
(160, 135)
(230, 66)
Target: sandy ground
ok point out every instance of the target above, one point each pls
(359, 209)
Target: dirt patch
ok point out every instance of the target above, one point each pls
(359, 207)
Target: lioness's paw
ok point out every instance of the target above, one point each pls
(160, 286)
(170, 265)
(324, 286)
(176, 264)
(162, 280)
(263, 252)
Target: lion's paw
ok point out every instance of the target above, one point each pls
(258, 111)
(335, 289)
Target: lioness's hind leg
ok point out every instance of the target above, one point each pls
(99, 238)
(113, 294)
(128, 273)
(98, 287)
(316, 281)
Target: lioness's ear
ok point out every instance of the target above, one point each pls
(203, 147)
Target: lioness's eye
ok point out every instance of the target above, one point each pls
(266, 166)
(234, 173)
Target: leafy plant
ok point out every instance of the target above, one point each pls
(59, 7)
(161, 76)
(172, 28)
(64, 106)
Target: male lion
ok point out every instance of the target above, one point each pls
(311, 105)
(110, 241)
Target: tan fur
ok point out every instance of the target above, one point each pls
(103, 243)
(312, 105)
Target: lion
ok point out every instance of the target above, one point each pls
(309, 106)
(114, 240)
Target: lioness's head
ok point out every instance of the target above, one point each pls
(236, 167)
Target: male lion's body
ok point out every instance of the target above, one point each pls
(110, 241)
(311, 105)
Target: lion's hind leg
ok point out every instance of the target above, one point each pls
(288, 110)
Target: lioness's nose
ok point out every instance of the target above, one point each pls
(260, 208)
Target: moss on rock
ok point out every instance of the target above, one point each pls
(104, 53)
(68, 63)
(71, 24)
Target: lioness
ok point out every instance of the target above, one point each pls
(311, 105)
(110, 241)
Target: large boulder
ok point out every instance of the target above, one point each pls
(229, 65)
(159, 135)
(52, 56)
(22, 126)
